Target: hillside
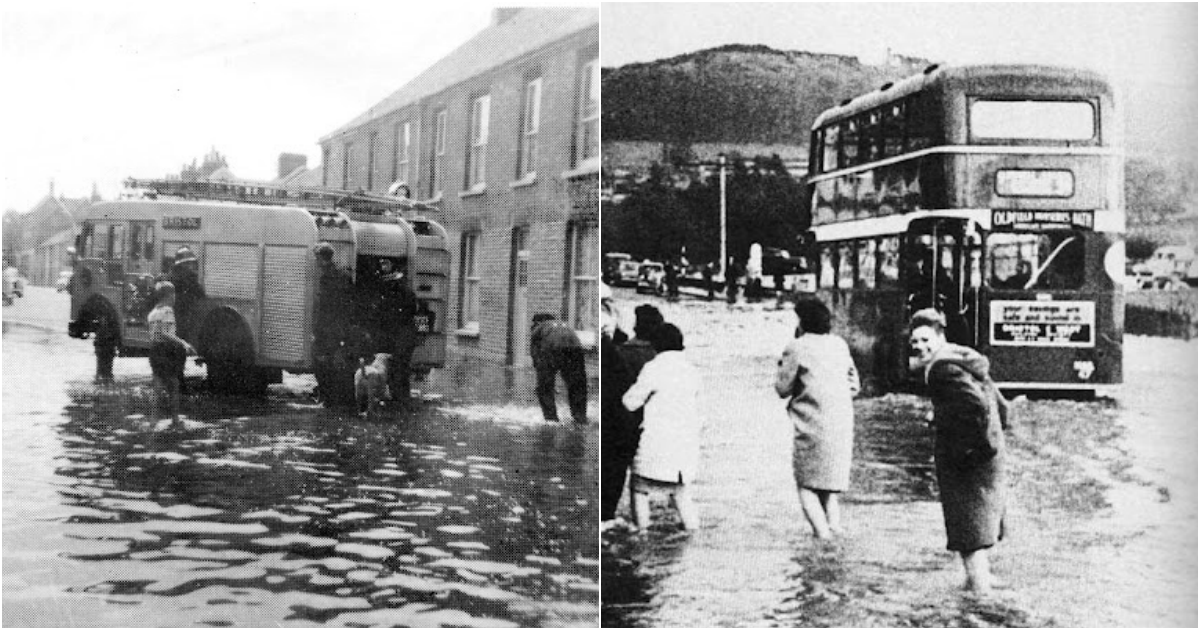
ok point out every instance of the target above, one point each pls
(745, 94)
(756, 94)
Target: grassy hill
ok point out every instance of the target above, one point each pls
(744, 94)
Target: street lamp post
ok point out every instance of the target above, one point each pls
(724, 259)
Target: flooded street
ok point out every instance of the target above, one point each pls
(1101, 525)
(470, 511)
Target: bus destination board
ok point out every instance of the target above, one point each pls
(1042, 219)
(1050, 323)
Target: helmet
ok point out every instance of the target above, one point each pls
(184, 254)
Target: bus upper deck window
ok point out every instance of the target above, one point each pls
(1032, 120)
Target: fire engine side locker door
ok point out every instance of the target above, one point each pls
(430, 265)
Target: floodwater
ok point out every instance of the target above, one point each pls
(1100, 528)
(470, 511)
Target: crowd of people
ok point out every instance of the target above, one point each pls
(353, 322)
(651, 421)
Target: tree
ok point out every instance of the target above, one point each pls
(670, 211)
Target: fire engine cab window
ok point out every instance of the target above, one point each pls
(1028, 260)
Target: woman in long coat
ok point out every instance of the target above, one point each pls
(818, 375)
(969, 444)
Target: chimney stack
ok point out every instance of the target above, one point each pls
(289, 162)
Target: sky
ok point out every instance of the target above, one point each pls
(1150, 42)
(98, 92)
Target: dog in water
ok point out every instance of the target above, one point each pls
(370, 385)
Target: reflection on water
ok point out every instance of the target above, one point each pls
(283, 513)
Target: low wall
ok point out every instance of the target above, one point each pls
(1161, 313)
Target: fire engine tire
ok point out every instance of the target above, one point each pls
(228, 350)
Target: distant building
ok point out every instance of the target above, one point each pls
(46, 231)
(502, 136)
(213, 168)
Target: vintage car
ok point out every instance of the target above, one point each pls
(652, 278)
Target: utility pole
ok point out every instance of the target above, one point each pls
(724, 259)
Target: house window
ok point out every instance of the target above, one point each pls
(346, 165)
(477, 152)
(529, 129)
(371, 160)
(401, 152)
(437, 164)
(468, 308)
(587, 131)
(584, 265)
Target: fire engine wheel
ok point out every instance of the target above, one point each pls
(228, 351)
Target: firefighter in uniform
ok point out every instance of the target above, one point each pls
(396, 326)
(332, 356)
(185, 276)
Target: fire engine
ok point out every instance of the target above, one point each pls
(257, 265)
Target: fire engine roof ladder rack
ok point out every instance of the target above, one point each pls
(269, 194)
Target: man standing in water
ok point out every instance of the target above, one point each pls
(555, 348)
(185, 277)
(397, 327)
(331, 325)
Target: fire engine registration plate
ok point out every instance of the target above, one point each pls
(1060, 324)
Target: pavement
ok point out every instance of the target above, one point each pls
(40, 307)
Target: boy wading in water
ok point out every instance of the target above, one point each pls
(168, 352)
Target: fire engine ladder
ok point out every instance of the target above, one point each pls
(269, 194)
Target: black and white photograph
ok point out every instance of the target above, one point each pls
(301, 316)
(898, 315)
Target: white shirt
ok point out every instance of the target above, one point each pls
(669, 388)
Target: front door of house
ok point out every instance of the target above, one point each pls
(519, 324)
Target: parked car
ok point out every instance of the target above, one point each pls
(14, 285)
(627, 273)
(652, 278)
(612, 266)
(1139, 277)
(63, 283)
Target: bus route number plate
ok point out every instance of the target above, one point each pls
(1055, 323)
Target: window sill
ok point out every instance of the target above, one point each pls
(432, 200)
(590, 166)
(528, 180)
(470, 331)
(475, 191)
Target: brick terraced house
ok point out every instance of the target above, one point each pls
(502, 137)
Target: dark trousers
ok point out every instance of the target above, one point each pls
(105, 353)
(617, 450)
(569, 362)
(401, 347)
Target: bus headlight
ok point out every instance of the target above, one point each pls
(1114, 262)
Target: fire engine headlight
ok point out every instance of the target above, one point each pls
(1084, 369)
(1114, 263)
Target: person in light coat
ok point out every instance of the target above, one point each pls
(668, 454)
(818, 376)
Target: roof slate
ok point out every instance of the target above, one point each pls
(523, 33)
